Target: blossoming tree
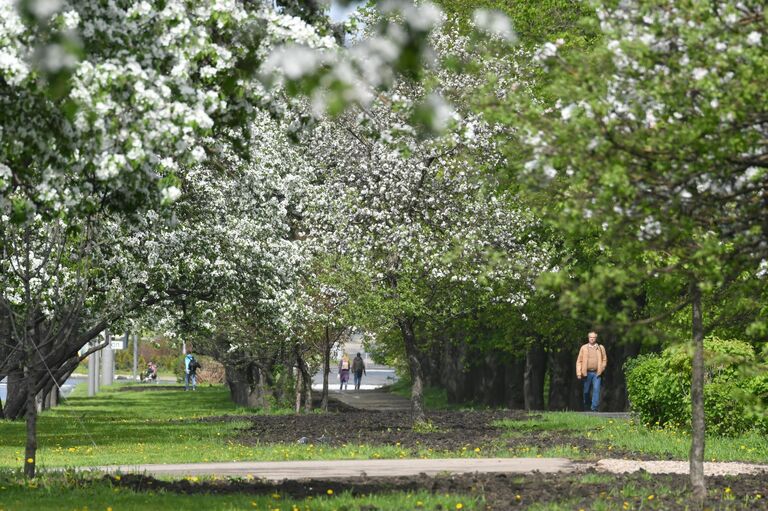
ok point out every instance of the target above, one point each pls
(656, 139)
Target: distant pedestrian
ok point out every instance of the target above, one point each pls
(151, 373)
(358, 370)
(590, 366)
(191, 365)
(344, 367)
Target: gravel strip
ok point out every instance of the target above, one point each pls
(679, 467)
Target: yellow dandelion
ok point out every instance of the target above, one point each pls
(650, 497)
(727, 490)
(30, 460)
(459, 505)
(419, 503)
(329, 491)
(477, 449)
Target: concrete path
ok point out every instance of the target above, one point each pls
(279, 470)
(371, 400)
(335, 469)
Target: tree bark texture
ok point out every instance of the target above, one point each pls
(326, 369)
(514, 377)
(414, 366)
(697, 398)
(454, 377)
(306, 385)
(535, 372)
(247, 386)
(30, 451)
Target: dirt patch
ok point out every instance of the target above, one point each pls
(448, 431)
(503, 491)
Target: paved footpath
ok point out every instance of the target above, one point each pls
(336, 469)
(372, 400)
(279, 470)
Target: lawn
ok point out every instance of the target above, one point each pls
(64, 491)
(629, 435)
(130, 427)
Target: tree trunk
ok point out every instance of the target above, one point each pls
(515, 384)
(246, 386)
(562, 379)
(30, 452)
(417, 380)
(535, 372)
(697, 399)
(15, 399)
(298, 391)
(306, 384)
(326, 369)
(493, 383)
(454, 375)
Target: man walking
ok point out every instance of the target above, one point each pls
(590, 366)
(358, 369)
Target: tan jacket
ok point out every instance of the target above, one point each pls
(581, 362)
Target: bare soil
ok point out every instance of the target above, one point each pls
(502, 491)
(448, 431)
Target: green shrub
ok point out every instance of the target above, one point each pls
(659, 387)
(725, 412)
(657, 394)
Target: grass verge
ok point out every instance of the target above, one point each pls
(77, 492)
(629, 435)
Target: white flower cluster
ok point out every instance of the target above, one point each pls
(147, 83)
(13, 67)
(423, 213)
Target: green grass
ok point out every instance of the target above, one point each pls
(161, 426)
(628, 435)
(78, 492)
(129, 427)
